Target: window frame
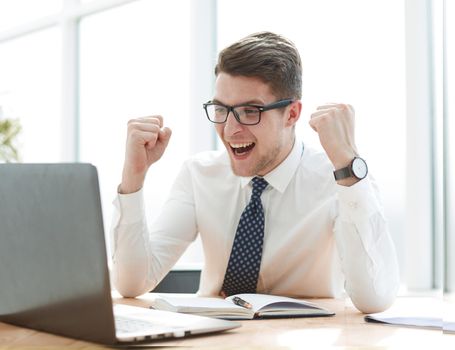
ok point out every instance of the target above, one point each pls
(422, 231)
(448, 155)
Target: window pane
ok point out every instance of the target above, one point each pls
(17, 12)
(349, 55)
(449, 162)
(134, 61)
(30, 77)
(438, 204)
(450, 145)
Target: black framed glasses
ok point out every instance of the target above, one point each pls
(246, 114)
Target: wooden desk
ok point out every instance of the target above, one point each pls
(345, 330)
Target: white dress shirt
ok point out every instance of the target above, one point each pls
(319, 237)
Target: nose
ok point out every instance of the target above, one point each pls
(232, 125)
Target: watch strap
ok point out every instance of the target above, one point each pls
(342, 173)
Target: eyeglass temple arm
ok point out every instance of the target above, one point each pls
(278, 104)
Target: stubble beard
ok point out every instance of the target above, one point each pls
(261, 164)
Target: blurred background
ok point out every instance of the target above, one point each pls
(73, 72)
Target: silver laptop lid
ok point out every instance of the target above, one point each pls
(53, 264)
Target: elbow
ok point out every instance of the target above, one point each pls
(129, 283)
(376, 293)
(373, 302)
(128, 291)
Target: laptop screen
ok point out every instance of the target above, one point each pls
(53, 264)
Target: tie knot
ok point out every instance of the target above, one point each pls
(259, 185)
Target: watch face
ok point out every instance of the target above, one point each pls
(359, 168)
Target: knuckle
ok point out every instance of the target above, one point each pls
(157, 118)
(131, 122)
(330, 114)
(134, 133)
(342, 106)
(130, 127)
(324, 118)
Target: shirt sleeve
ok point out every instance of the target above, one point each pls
(142, 256)
(366, 250)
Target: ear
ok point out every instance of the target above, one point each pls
(294, 113)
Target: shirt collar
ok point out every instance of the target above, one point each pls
(280, 177)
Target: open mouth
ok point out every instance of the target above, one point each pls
(241, 149)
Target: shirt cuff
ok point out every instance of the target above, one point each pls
(357, 201)
(130, 206)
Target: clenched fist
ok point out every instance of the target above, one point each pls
(145, 144)
(334, 124)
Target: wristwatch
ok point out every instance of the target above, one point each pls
(357, 168)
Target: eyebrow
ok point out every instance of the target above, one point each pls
(253, 102)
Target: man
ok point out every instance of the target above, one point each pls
(273, 215)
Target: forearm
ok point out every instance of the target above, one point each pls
(130, 255)
(142, 257)
(371, 274)
(366, 251)
(131, 181)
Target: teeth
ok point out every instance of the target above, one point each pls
(240, 145)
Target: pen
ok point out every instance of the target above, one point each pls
(240, 302)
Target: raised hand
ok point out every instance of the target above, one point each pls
(146, 142)
(334, 123)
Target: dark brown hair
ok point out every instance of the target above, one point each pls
(267, 56)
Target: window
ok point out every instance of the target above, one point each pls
(129, 69)
(30, 91)
(15, 13)
(74, 72)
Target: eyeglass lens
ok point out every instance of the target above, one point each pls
(245, 114)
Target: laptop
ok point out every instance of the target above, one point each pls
(53, 263)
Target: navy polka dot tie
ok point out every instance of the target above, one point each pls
(243, 268)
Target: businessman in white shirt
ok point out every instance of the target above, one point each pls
(274, 216)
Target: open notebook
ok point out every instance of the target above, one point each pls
(262, 306)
